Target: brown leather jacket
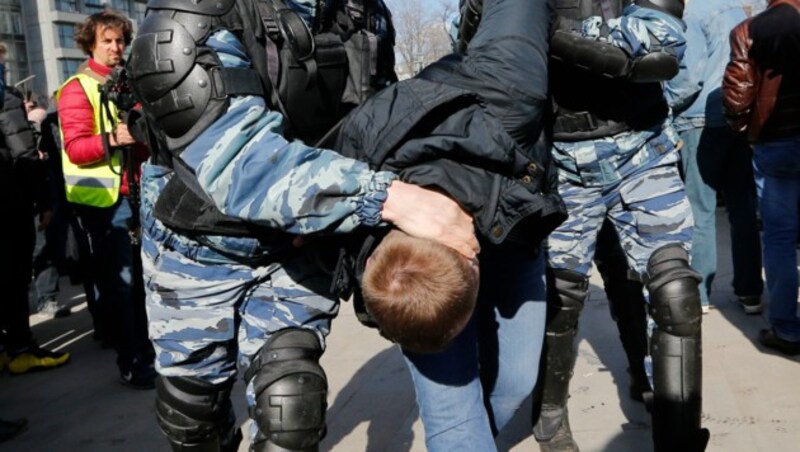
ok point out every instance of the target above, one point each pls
(761, 89)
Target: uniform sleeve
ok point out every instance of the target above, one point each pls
(639, 31)
(82, 145)
(682, 90)
(738, 84)
(252, 172)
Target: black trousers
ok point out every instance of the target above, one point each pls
(17, 239)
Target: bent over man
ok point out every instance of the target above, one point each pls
(471, 124)
(618, 159)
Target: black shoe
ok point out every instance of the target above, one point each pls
(768, 338)
(139, 374)
(751, 305)
(10, 429)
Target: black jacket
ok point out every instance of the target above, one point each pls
(22, 176)
(435, 134)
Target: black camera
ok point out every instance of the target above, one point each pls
(117, 90)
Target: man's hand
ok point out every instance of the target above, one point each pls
(44, 220)
(120, 136)
(429, 214)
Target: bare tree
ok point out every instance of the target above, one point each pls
(422, 33)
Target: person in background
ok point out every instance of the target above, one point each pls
(101, 196)
(714, 159)
(761, 96)
(45, 271)
(22, 189)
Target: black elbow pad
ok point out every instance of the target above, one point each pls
(597, 57)
(654, 67)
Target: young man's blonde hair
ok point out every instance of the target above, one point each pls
(420, 292)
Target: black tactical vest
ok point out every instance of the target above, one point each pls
(589, 106)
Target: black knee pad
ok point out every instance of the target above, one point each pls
(566, 292)
(196, 416)
(674, 293)
(676, 350)
(291, 392)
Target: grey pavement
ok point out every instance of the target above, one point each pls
(751, 400)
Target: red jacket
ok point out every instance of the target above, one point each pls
(761, 87)
(75, 114)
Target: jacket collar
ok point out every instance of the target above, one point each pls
(101, 69)
(795, 3)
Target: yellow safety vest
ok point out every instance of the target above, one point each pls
(95, 185)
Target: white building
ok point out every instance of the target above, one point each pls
(39, 34)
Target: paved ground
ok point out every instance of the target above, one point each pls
(751, 401)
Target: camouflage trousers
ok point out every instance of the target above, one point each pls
(209, 315)
(648, 209)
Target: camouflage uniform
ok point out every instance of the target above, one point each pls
(632, 179)
(606, 177)
(214, 301)
(647, 206)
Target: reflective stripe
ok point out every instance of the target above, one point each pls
(94, 185)
(93, 182)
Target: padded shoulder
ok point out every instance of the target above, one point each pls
(205, 7)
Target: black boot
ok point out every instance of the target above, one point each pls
(562, 441)
(565, 296)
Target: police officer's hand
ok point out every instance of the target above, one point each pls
(120, 136)
(432, 215)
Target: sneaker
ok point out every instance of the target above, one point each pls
(10, 429)
(139, 374)
(51, 308)
(706, 307)
(35, 358)
(768, 338)
(751, 305)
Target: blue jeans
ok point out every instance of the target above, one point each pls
(713, 160)
(777, 170)
(45, 272)
(471, 390)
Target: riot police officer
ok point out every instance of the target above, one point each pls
(617, 155)
(234, 92)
